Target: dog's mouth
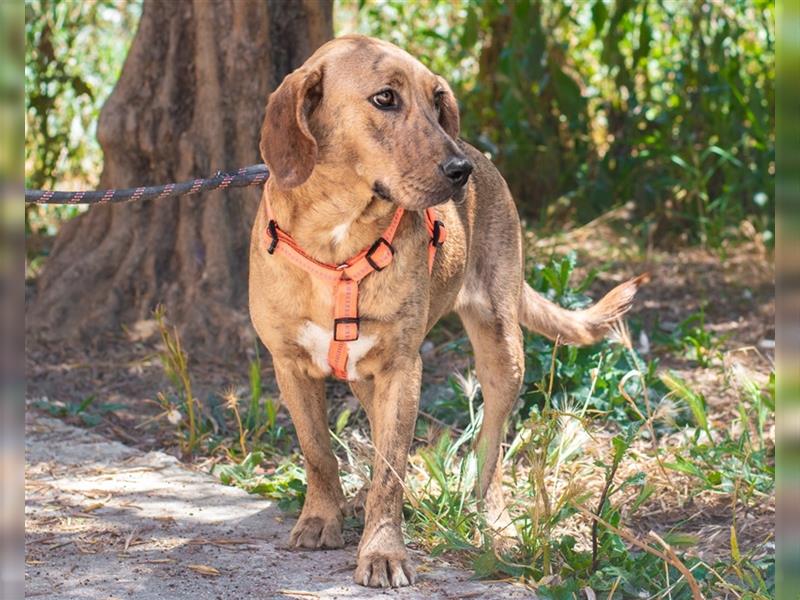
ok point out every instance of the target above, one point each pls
(382, 192)
(421, 198)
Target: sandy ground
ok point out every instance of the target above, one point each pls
(107, 521)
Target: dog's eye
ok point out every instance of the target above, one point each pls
(385, 99)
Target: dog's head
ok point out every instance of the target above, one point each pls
(368, 109)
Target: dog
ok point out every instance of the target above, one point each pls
(358, 134)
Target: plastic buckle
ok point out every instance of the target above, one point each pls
(372, 251)
(272, 229)
(345, 321)
(438, 235)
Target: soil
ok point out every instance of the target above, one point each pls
(106, 520)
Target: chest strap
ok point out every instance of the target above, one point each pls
(345, 278)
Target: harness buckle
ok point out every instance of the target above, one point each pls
(272, 229)
(438, 235)
(374, 248)
(347, 335)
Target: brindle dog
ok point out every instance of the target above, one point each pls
(360, 129)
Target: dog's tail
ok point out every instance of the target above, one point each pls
(578, 327)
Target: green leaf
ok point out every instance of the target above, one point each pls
(85, 403)
(681, 540)
(568, 94)
(735, 554)
(341, 421)
(696, 402)
(90, 420)
(485, 564)
(644, 493)
(725, 155)
(599, 15)
(470, 35)
(684, 466)
(682, 163)
(620, 446)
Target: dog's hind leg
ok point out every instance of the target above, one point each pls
(320, 523)
(496, 339)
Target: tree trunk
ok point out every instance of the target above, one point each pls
(190, 101)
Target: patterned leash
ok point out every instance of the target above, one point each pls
(246, 176)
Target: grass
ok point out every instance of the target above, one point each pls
(617, 468)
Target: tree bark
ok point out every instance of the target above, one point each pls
(190, 101)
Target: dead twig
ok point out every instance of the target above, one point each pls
(670, 557)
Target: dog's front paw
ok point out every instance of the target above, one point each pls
(385, 569)
(317, 532)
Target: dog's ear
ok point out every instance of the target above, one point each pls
(287, 144)
(448, 110)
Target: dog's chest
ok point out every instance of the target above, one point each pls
(316, 340)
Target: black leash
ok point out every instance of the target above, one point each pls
(246, 176)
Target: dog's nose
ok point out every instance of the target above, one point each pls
(457, 170)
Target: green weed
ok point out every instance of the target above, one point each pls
(175, 363)
(737, 460)
(608, 379)
(693, 341)
(570, 396)
(285, 483)
(81, 410)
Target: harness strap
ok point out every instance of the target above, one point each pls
(345, 277)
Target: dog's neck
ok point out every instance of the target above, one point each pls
(330, 220)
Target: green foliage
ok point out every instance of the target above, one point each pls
(286, 483)
(175, 363)
(589, 105)
(693, 340)
(80, 410)
(583, 106)
(74, 53)
(590, 387)
(602, 378)
(206, 422)
(736, 460)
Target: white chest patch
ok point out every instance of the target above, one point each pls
(316, 340)
(339, 232)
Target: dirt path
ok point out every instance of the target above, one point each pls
(107, 521)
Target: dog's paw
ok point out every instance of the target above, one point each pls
(315, 532)
(385, 570)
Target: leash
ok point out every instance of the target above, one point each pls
(344, 278)
(244, 177)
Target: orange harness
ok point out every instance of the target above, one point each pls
(345, 277)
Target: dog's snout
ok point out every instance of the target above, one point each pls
(457, 169)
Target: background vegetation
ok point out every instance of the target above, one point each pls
(74, 52)
(584, 106)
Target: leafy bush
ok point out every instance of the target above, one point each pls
(589, 105)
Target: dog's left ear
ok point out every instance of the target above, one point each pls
(449, 118)
(287, 144)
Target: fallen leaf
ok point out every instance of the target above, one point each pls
(204, 570)
(158, 561)
(298, 593)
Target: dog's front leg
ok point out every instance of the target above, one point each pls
(320, 523)
(382, 556)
